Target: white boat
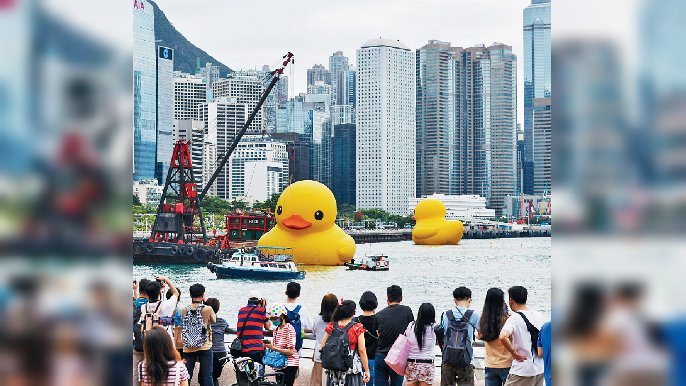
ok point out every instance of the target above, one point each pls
(268, 263)
(369, 263)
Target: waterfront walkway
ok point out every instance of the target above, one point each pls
(229, 376)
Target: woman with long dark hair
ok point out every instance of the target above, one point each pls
(498, 360)
(359, 373)
(162, 363)
(422, 339)
(329, 304)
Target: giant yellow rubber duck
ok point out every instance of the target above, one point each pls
(305, 215)
(431, 227)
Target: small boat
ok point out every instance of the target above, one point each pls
(369, 263)
(264, 263)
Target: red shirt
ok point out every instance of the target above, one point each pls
(353, 333)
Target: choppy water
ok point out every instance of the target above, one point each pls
(426, 274)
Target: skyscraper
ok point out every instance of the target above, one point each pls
(144, 92)
(542, 149)
(257, 168)
(338, 65)
(537, 76)
(344, 174)
(318, 128)
(165, 111)
(318, 73)
(486, 163)
(437, 100)
(386, 130)
(189, 92)
(210, 73)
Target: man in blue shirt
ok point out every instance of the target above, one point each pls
(544, 343)
(451, 376)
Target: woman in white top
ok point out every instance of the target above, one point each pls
(422, 339)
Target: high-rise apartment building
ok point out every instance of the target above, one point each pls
(344, 161)
(277, 98)
(437, 101)
(210, 73)
(346, 90)
(258, 167)
(165, 111)
(319, 87)
(542, 147)
(298, 147)
(246, 87)
(318, 128)
(193, 131)
(222, 119)
(318, 73)
(144, 92)
(338, 65)
(537, 76)
(386, 130)
(291, 117)
(189, 92)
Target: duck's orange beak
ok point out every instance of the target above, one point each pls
(296, 222)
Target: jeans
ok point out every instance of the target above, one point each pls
(457, 376)
(496, 377)
(371, 363)
(205, 358)
(385, 376)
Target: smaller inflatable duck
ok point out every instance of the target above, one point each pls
(431, 226)
(305, 215)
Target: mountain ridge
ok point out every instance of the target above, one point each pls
(186, 53)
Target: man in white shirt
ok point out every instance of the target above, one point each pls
(527, 369)
(154, 290)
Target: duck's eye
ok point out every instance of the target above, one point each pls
(279, 210)
(318, 215)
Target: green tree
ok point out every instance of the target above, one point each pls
(270, 204)
(136, 201)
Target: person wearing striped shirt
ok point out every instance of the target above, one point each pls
(251, 320)
(284, 342)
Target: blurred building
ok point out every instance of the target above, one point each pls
(246, 87)
(189, 92)
(148, 191)
(542, 146)
(344, 174)
(222, 119)
(165, 111)
(437, 99)
(318, 127)
(258, 166)
(527, 206)
(537, 77)
(386, 129)
(338, 65)
(458, 207)
(298, 147)
(144, 92)
(318, 73)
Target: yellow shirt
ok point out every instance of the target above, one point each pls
(497, 356)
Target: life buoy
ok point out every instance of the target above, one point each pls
(200, 253)
(174, 249)
(148, 248)
(189, 251)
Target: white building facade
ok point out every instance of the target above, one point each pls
(245, 87)
(148, 191)
(458, 207)
(189, 92)
(386, 129)
(253, 168)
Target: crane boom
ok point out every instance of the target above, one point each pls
(288, 58)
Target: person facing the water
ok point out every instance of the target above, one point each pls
(368, 304)
(358, 374)
(498, 360)
(284, 342)
(422, 340)
(526, 369)
(252, 320)
(219, 328)
(328, 306)
(392, 321)
(463, 375)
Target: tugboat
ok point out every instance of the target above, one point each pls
(369, 263)
(178, 235)
(259, 264)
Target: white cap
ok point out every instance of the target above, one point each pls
(254, 294)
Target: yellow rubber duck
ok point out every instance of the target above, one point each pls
(432, 228)
(305, 215)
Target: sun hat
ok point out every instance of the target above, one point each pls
(276, 310)
(254, 294)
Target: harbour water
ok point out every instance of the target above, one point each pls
(426, 274)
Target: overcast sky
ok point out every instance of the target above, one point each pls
(248, 34)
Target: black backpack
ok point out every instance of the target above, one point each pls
(457, 348)
(336, 355)
(533, 331)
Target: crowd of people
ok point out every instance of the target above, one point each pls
(352, 348)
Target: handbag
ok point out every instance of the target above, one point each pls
(274, 359)
(178, 337)
(236, 347)
(396, 358)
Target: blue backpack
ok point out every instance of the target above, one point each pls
(294, 318)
